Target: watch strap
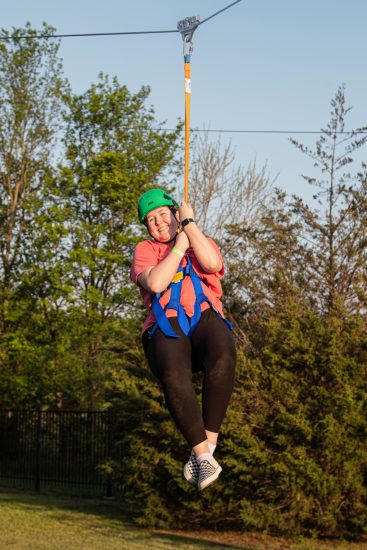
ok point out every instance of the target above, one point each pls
(186, 221)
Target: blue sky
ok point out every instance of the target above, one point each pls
(263, 64)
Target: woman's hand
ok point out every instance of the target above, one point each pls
(185, 211)
(182, 241)
(205, 253)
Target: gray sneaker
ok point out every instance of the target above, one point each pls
(209, 470)
(191, 470)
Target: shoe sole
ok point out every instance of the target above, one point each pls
(189, 477)
(210, 479)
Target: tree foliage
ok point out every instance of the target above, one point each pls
(77, 238)
(335, 232)
(31, 83)
(30, 87)
(223, 195)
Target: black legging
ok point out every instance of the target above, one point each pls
(210, 349)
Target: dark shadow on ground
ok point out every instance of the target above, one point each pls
(199, 542)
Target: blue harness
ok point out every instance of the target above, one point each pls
(187, 324)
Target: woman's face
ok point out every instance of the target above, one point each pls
(162, 225)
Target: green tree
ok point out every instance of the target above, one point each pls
(113, 153)
(298, 300)
(336, 231)
(70, 230)
(31, 83)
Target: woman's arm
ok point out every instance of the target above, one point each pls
(206, 255)
(157, 278)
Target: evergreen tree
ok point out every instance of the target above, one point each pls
(335, 232)
(299, 305)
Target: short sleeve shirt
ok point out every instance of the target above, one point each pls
(150, 253)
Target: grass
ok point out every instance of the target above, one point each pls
(29, 521)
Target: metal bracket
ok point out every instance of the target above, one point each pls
(187, 27)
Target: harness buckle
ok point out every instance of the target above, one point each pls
(178, 277)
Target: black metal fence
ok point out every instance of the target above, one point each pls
(67, 447)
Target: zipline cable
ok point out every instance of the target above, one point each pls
(220, 11)
(78, 35)
(227, 131)
(122, 33)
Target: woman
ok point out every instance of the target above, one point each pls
(178, 273)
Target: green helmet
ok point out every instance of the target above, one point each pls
(153, 199)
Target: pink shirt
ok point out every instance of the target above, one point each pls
(150, 253)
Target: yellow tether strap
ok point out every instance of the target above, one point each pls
(187, 74)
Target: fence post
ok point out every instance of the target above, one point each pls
(38, 452)
(109, 488)
(109, 453)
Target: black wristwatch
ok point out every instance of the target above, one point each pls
(186, 221)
